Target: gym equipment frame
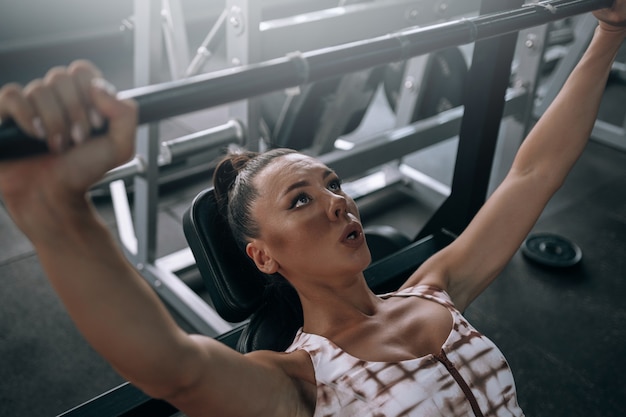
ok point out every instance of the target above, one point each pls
(170, 99)
(496, 31)
(245, 35)
(366, 156)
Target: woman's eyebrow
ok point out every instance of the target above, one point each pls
(304, 183)
(295, 185)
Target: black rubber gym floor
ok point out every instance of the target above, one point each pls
(562, 331)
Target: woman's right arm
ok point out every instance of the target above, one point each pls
(110, 303)
(122, 318)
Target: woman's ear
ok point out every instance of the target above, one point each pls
(264, 262)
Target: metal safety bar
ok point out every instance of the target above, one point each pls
(171, 99)
(182, 147)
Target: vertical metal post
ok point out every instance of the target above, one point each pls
(175, 36)
(410, 88)
(243, 41)
(529, 56)
(147, 60)
(484, 106)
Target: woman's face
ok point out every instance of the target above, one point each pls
(309, 226)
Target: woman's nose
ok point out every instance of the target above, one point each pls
(337, 206)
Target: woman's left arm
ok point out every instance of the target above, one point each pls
(469, 265)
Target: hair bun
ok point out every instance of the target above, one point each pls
(226, 173)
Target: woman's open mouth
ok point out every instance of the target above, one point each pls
(352, 235)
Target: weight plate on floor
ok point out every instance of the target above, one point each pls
(551, 250)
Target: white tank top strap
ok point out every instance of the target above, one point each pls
(428, 292)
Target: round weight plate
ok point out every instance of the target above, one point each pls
(442, 86)
(551, 250)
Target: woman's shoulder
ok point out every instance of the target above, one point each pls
(297, 363)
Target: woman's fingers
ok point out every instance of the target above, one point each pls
(61, 103)
(614, 17)
(73, 104)
(87, 164)
(14, 105)
(48, 108)
(122, 117)
(57, 108)
(63, 108)
(84, 72)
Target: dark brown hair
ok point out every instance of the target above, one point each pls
(233, 182)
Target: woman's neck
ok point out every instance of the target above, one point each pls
(331, 309)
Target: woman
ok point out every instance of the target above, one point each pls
(432, 361)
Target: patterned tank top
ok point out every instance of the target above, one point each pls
(470, 376)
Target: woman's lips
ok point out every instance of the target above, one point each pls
(352, 235)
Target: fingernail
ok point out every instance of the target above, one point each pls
(95, 119)
(57, 142)
(78, 134)
(40, 132)
(104, 86)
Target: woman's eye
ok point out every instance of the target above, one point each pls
(335, 185)
(300, 201)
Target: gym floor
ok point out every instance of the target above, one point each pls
(562, 331)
